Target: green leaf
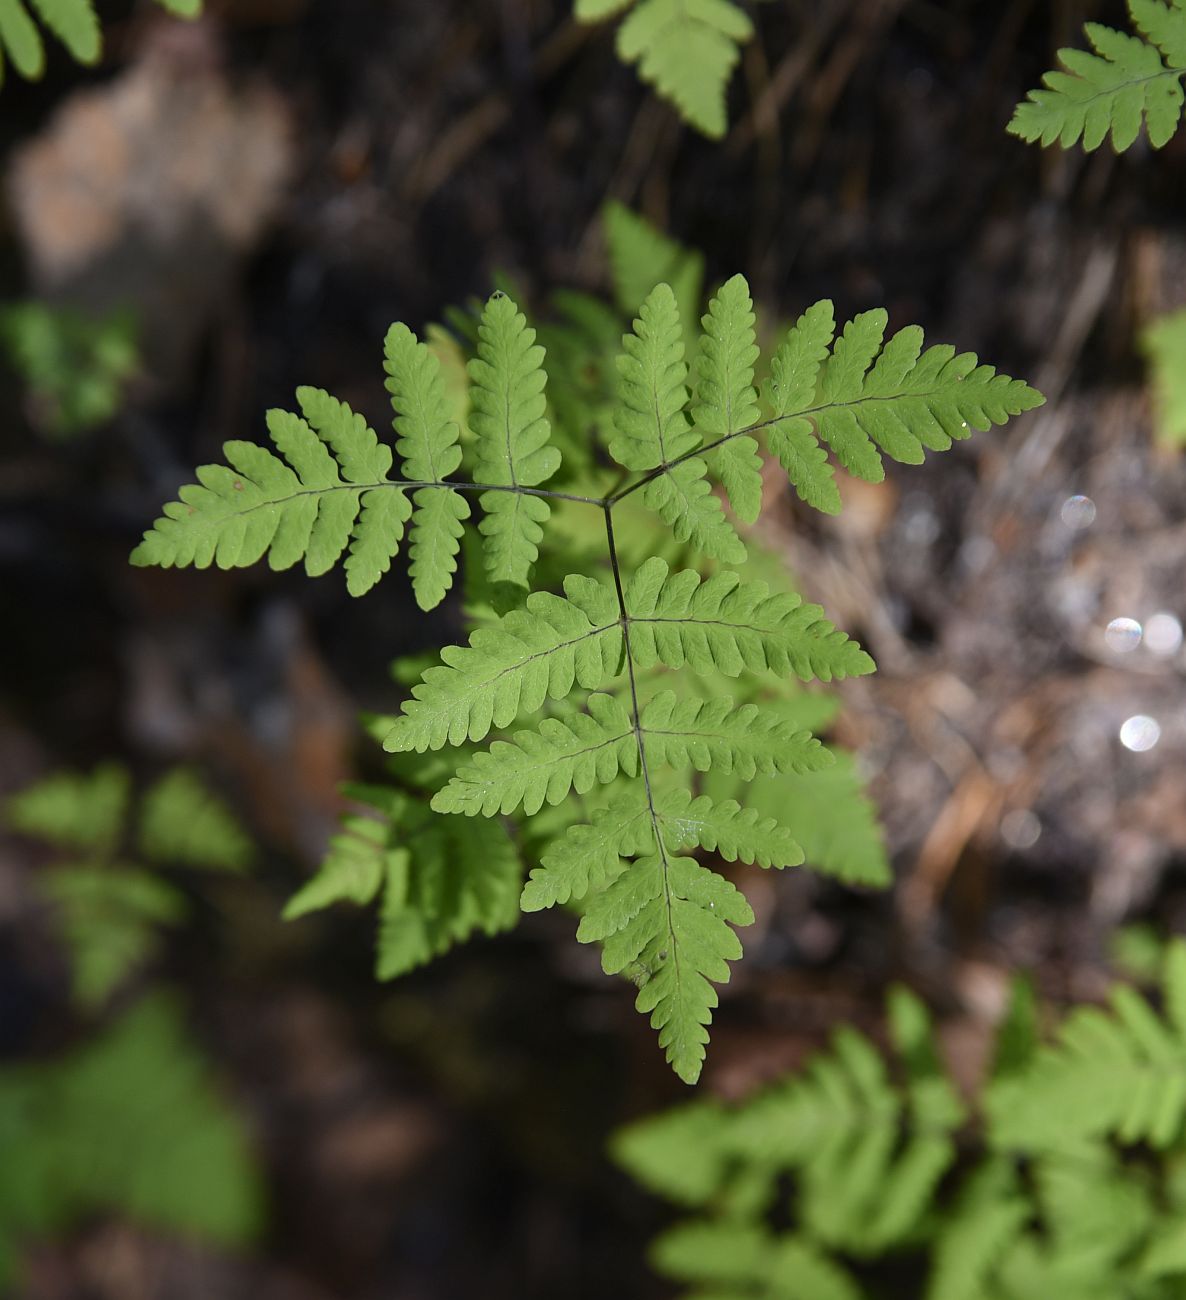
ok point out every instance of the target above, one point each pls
(530, 655)
(20, 39)
(717, 733)
(75, 24)
(651, 427)
(1164, 346)
(109, 917)
(182, 822)
(687, 50)
(429, 442)
(725, 828)
(258, 505)
(704, 1250)
(795, 372)
(182, 8)
(1123, 85)
(641, 256)
(513, 434)
(682, 1153)
(352, 872)
(726, 400)
(74, 812)
(668, 921)
(543, 766)
(1120, 1072)
(725, 625)
(588, 856)
(682, 496)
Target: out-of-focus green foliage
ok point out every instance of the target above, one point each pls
(75, 23)
(75, 368)
(108, 908)
(1164, 346)
(1069, 1181)
(131, 1124)
(685, 49)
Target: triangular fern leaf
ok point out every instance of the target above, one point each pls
(642, 256)
(512, 449)
(726, 401)
(667, 920)
(352, 871)
(258, 505)
(545, 765)
(429, 442)
(530, 655)
(687, 50)
(1124, 84)
(730, 626)
(589, 856)
(725, 828)
(716, 733)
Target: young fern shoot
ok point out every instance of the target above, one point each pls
(617, 745)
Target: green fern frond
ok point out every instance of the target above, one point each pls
(670, 918)
(726, 400)
(430, 444)
(642, 256)
(442, 879)
(182, 822)
(1164, 346)
(1128, 82)
(1120, 1072)
(686, 49)
(109, 911)
(512, 439)
(73, 811)
(588, 856)
(592, 660)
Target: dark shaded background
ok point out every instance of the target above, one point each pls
(371, 161)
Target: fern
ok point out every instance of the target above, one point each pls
(75, 24)
(1164, 346)
(608, 662)
(109, 910)
(685, 49)
(130, 1123)
(869, 1155)
(1128, 82)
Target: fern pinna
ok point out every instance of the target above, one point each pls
(608, 658)
(1126, 82)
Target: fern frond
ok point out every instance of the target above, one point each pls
(337, 488)
(716, 733)
(726, 400)
(108, 918)
(642, 256)
(686, 49)
(1126, 83)
(545, 765)
(73, 811)
(1120, 1072)
(669, 918)
(1164, 346)
(512, 432)
(726, 828)
(589, 856)
(530, 655)
(730, 626)
(443, 879)
(430, 444)
(182, 822)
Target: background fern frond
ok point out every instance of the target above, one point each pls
(1128, 82)
(642, 256)
(686, 49)
(182, 822)
(1164, 345)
